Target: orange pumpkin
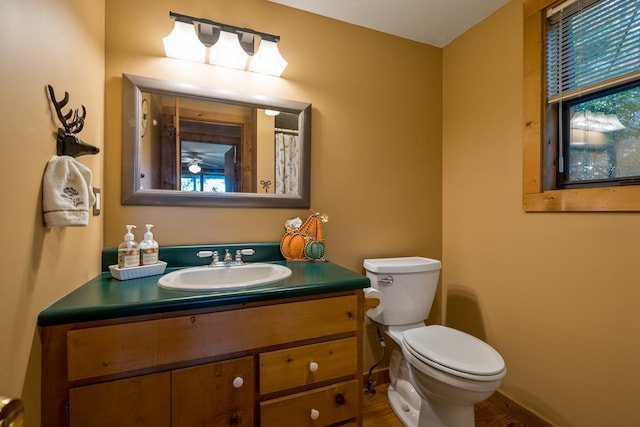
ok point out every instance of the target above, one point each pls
(292, 245)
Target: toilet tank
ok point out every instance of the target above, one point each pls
(408, 286)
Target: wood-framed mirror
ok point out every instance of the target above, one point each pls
(189, 145)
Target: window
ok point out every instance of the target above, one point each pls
(203, 183)
(592, 52)
(601, 142)
(582, 105)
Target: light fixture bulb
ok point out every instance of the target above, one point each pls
(194, 167)
(267, 59)
(183, 43)
(227, 52)
(272, 113)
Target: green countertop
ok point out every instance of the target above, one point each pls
(105, 297)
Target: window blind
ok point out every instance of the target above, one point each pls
(591, 45)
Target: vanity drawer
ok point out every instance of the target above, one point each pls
(112, 349)
(329, 405)
(309, 364)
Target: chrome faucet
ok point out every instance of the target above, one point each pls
(228, 259)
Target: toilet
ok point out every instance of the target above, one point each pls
(441, 372)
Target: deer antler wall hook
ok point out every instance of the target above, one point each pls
(68, 143)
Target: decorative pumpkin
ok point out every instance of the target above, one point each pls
(304, 241)
(314, 249)
(312, 227)
(292, 245)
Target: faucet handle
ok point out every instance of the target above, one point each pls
(204, 254)
(240, 252)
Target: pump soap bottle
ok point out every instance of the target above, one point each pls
(149, 248)
(128, 251)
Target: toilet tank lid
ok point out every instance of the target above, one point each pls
(412, 264)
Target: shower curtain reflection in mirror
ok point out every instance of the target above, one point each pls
(287, 161)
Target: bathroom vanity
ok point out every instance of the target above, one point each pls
(131, 353)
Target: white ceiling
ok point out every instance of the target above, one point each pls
(434, 22)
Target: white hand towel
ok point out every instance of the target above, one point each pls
(67, 194)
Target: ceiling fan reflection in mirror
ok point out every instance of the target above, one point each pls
(195, 165)
(208, 158)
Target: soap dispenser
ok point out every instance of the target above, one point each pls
(129, 250)
(149, 248)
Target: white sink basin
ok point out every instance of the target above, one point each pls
(224, 278)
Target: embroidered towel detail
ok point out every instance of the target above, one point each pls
(67, 194)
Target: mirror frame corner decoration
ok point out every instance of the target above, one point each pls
(132, 192)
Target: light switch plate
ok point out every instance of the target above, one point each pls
(98, 203)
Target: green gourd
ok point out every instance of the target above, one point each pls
(314, 249)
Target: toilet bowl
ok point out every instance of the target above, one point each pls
(452, 371)
(440, 373)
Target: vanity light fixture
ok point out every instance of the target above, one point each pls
(183, 43)
(227, 52)
(268, 59)
(228, 45)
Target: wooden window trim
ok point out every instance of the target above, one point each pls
(534, 197)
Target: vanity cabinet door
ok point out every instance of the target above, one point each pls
(214, 395)
(142, 401)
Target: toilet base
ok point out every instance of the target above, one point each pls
(437, 414)
(406, 410)
(412, 410)
(403, 397)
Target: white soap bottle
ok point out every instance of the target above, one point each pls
(149, 248)
(129, 250)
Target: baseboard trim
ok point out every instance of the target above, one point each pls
(528, 418)
(516, 410)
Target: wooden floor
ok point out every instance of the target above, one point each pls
(378, 413)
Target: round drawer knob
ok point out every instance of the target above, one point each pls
(238, 382)
(339, 399)
(313, 366)
(315, 414)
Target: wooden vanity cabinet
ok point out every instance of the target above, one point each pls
(144, 400)
(317, 407)
(286, 362)
(214, 395)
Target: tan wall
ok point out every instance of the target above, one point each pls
(57, 42)
(376, 129)
(265, 152)
(556, 294)
(380, 185)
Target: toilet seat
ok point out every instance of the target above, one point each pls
(454, 352)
